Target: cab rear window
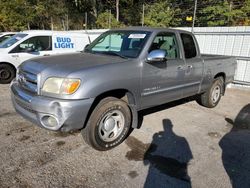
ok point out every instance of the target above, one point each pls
(188, 45)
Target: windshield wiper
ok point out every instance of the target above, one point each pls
(115, 53)
(88, 51)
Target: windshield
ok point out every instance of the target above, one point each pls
(12, 40)
(126, 44)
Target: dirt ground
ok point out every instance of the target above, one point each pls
(182, 145)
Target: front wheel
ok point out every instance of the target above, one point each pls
(108, 125)
(212, 96)
(7, 73)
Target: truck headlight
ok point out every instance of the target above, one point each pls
(61, 85)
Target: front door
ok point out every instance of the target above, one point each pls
(162, 81)
(30, 48)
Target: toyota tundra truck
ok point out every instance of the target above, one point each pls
(101, 89)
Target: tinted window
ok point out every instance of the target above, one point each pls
(40, 43)
(5, 37)
(188, 45)
(167, 42)
(12, 40)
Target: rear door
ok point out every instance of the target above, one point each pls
(40, 45)
(194, 65)
(162, 81)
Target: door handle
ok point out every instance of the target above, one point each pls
(15, 56)
(180, 67)
(46, 55)
(190, 66)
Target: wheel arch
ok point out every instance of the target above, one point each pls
(123, 94)
(11, 76)
(7, 63)
(223, 75)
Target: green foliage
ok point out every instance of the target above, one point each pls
(161, 15)
(16, 15)
(103, 20)
(221, 14)
(246, 10)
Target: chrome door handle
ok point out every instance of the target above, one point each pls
(190, 66)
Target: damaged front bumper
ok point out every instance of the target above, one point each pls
(50, 113)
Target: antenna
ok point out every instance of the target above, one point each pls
(87, 35)
(86, 21)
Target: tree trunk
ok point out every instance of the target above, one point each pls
(95, 8)
(117, 10)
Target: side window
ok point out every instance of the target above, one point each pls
(5, 37)
(188, 45)
(167, 42)
(40, 43)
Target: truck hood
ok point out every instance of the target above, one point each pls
(63, 65)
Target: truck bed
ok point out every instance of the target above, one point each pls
(213, 57)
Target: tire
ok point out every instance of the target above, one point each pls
(108, 125)
(212, 96)
(7, 73)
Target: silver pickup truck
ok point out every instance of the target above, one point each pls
(100, 90)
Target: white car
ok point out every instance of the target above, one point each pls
(30, 44)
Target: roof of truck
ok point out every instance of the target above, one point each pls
(151, 29)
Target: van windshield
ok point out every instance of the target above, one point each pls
(126, 44)
(12, 40)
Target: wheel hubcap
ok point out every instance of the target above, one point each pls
(111, 125)
(216, 94)
(4, 74)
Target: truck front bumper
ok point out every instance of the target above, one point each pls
(50, 113)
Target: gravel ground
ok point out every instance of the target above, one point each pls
(182, 145)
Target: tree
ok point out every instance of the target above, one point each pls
(246, 10)
(18, 15)
(161, 15)
(224, 13)
(117, 10)
(107, 20)
(15, 15)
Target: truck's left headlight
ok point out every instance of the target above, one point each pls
(61, 85)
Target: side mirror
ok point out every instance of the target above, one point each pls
(157, 56)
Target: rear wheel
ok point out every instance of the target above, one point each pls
(108, 125)
(212, 96)
(7, 73)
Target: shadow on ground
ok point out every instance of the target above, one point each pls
(159, 108)
(235, 147)
(167, 156)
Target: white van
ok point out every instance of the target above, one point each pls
(29, 44)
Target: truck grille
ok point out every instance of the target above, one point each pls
(27, 80)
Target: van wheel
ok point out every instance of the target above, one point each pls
(108, 125)
(7, 73)
(212, 96)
